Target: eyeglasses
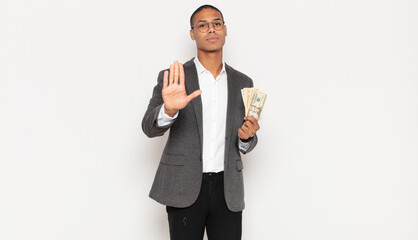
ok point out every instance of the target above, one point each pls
(204, 26)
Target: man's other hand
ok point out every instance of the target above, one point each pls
(248, 128)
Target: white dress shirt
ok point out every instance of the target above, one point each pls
(214, 105)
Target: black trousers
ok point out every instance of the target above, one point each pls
(209, 211)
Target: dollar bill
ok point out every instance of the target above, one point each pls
(254, 100)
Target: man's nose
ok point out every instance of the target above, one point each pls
(211, 27)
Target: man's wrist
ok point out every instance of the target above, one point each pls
(170, 113)
(248, 139)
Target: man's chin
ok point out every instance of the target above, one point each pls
(211, 50)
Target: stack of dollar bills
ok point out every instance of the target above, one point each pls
(254, 100)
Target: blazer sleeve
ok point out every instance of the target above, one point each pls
(253, 143)
(149, 121)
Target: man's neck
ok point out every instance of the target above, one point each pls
(211, 61)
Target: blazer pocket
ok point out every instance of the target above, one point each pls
(171, 159)
(240, 166)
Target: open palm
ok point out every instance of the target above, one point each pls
(174, 92)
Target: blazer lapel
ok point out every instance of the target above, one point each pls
(192, 84)
(233, 89)
(231, 102)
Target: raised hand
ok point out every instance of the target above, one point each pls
(174, 92)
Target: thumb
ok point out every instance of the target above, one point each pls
(193, 95)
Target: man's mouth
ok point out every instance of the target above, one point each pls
(212, 39)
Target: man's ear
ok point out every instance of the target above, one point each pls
(192, 34)
(226, 32)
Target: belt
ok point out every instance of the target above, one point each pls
(213, 174)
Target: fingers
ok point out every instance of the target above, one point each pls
(242, 135)
(165, 79)
(171, 74)
(181, 74)
(248, 128)
(176, 72)
(247, 125)
(193, 95)
(253, 121)
(245, 128)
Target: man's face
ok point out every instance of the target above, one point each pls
(213, 40)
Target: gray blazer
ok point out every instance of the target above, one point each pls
(179, 174)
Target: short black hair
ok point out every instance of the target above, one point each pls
(206, 6)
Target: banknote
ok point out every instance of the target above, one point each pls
(254, 100)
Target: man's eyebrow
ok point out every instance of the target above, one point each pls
(207, 20)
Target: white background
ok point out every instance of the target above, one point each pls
(338, 146)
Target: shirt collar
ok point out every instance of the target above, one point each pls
(200, 69)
